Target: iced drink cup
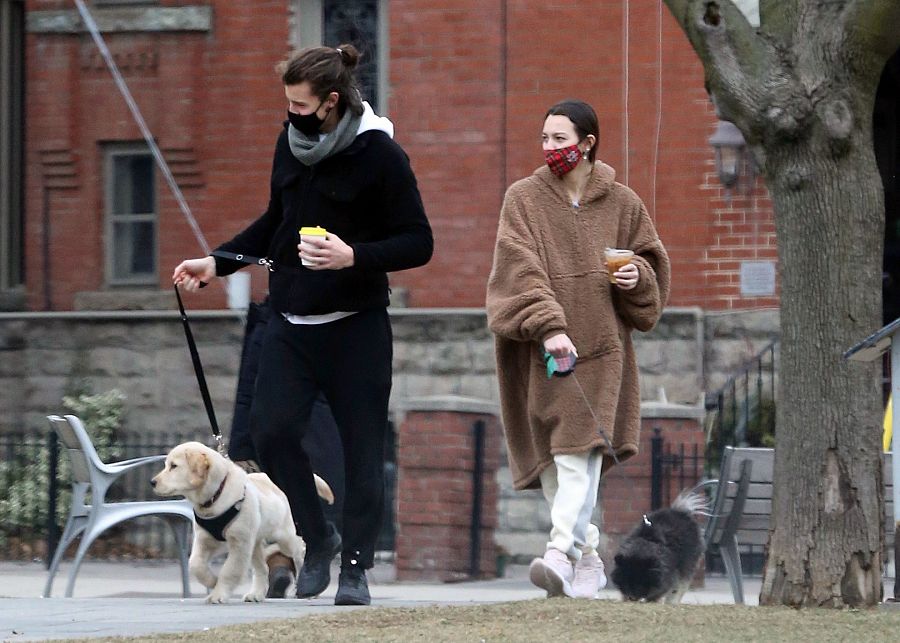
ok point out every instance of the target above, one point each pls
(615, 259)
(306, 233)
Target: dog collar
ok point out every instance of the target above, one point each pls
(209, 503)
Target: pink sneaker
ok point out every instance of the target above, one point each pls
(553, 573)
(590, 577)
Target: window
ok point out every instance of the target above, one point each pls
(360, 22)
(12, 91)
(131, 218)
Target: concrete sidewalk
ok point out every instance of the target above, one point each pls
(138, 598)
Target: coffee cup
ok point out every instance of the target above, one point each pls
(306, 233)
(615, 259)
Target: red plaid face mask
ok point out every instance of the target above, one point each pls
(564, 160)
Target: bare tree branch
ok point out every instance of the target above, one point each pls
(735, 58)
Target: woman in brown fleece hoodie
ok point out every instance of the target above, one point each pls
(549, 291)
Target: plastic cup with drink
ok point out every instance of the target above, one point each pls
(308, 232)
(615, 259)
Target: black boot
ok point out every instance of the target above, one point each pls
(353, 589)
(315, 574)
(281, 574)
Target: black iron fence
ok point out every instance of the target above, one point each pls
(742, 411)
(34, 497)
(673, 468)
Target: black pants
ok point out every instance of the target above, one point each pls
(349, 360)
(322, 441)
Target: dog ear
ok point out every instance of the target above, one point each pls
(198, 465)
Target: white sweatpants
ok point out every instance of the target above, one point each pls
(570, 486)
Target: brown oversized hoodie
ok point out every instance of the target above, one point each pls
(549, 277)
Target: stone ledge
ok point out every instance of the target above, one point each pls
(125, 299)
(123, 19)
(669, 410)
(457, 403)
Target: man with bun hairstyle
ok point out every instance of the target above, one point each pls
(336, 167)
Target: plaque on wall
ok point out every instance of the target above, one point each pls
(757, 278)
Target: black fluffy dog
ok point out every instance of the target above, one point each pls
(658, 558)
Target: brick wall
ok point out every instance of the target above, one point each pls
(469, 82)
(435, 492)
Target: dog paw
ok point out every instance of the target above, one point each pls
(217, 598)
(254, 597)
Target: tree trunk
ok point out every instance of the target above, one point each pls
(825, 549)
(801, 87)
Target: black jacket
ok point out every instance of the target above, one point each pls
(367, 195)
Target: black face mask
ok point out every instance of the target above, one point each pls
(308, 124)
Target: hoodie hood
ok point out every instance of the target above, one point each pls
(372, 121)
(601, 181)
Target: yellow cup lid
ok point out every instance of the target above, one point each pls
(314, 231)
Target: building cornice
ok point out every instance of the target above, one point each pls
(123, 19)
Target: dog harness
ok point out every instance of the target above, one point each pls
(216, 526)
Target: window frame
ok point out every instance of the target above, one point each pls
(113, 3)
(110, 152)
(12, 145)
(308, 28)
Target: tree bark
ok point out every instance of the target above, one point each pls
(801, 88)
(825, 548)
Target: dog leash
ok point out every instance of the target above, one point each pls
(565, 366)
(201, 379)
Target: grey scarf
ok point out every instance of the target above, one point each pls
(310, 151)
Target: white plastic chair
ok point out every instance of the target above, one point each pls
(91, 475)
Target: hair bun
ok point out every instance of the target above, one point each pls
(349, 55)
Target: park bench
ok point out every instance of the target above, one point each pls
(741, 508)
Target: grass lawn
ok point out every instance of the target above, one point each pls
(561, 620)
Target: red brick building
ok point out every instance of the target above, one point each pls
(466, 84)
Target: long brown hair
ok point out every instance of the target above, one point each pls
(327, 70)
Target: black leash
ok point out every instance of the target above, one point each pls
(201, 379)
(253, 261)
(250, 260)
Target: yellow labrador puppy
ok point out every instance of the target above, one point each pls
(245, 514)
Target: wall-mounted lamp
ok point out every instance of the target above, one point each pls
(732, 158)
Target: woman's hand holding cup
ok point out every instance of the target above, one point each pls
(622, 272)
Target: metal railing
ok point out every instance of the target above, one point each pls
(742, 411)
(672, 469)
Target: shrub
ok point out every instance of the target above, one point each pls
(25, 478)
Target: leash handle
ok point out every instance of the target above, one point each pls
(201, 379)
(559, 366)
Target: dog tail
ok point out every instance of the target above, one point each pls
(692, 503)
(324, 490)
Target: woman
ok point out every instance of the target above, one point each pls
(549, 292)
(336, 167)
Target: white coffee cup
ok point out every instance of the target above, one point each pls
(309, 232)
